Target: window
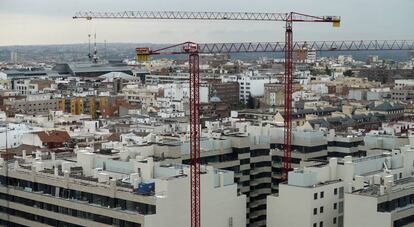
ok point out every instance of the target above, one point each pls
(341, 221)
(244, 161)
(321, 210)
(335, 191)
(315, 196)
(334, 220)
(335, 206)
(322, 194)
(315, 225)
(341, 207)
(321, 224)
(315, 211)
(341, 192)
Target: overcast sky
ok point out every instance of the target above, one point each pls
(25, 22)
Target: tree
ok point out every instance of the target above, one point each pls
(348, 73)
(250, 102)
(315, 72)
(328, 71)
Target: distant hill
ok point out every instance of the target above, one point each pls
(79, 52)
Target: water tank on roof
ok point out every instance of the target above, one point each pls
(146, 188)
(396, 161)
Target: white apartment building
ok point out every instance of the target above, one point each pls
(251, 84)
(181, 92)
(13, 137)
(94, 189)
(379, 140)
(136, 94)
(321, 88)
(390, 204)
(411, 62)
(345, 144)
(316, 205)
(167, 79)
(24, 87)
(345, 59)
(320, 191)
(311, 56)
(170, 113)
(303, 77)
(176, 105)
(403, 90)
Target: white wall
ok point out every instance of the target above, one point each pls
(182, 92)
(90, 126)
(294, 206)
(3, 76)
(32, 139)
(218, 205)
(281, 211)
(361, 211)
(15, 135)
(251, 84)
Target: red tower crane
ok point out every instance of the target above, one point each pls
(193, 50)
(288, 18)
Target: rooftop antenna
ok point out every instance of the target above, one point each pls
(89, 53)
(95, 51)
(105, 50)
(7, 128)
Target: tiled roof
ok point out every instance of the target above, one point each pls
(386, 106)
(53, 136)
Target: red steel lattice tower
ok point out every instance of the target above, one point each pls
(288, 80)
(194, 63)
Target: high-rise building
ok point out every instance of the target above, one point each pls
(96, 189)
(375, 190)
(383, 205)
(251, 84)
(403, 90)
(13, 57)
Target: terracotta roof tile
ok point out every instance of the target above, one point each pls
(53, 136)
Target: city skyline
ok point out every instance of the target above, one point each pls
(231, 113)
(50, 22)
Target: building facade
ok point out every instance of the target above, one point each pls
(95, 190)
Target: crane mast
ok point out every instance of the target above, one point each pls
(195, 131)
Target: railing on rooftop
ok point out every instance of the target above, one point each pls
(363, 159)
(404, 181)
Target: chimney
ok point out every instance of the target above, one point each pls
(349, 175)
(38, 155)
(56, 171)
(333, 163)
(377, 179)
(221, 179)
(151, 166)
(382, 190)
(359, 182)
(388, 180)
